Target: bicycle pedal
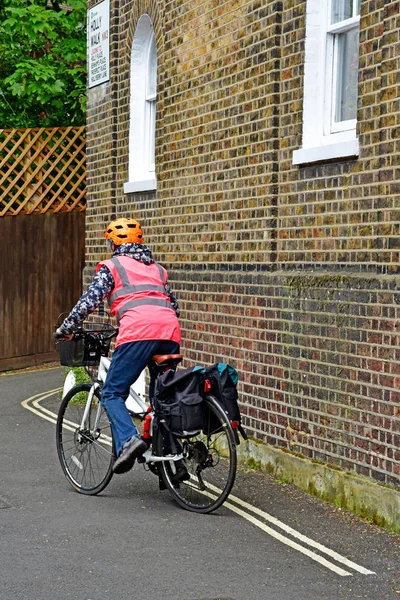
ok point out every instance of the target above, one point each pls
(141, 459)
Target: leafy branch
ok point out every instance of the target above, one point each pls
(42, 63)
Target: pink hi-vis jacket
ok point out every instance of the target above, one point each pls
(139, 301)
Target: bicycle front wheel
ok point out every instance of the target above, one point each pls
(210, 459)
(84, 440)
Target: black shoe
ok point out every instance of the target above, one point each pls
(125, 461)
(180, 475)
(162, 486)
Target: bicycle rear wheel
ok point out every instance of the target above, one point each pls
(85, 448)
(209, 457)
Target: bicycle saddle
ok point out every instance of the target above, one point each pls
(161, 359)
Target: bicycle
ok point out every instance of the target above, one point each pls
(85, 443)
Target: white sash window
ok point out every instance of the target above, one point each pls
(330, 81)
(142, 125)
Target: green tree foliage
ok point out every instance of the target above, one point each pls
(42, 63)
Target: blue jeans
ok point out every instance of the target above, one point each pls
(128, 361)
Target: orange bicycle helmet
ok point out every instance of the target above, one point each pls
(123, 230)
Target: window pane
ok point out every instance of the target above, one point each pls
(343, 9)
(152, 69)
(347, 75)
(152, 134)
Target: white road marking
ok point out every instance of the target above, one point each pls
(44, 413)
(278, 536)
(303, 538)
(288, 542)
(41, 412)
(296, 534)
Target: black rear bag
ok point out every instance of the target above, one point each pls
(178, 402)
(223, 379)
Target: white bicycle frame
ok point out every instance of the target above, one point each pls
(134, 403)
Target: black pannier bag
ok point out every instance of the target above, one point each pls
(178, 401)
(223, 379)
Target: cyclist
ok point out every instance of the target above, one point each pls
(147, 314)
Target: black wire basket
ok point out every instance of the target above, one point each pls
(88, 345)
(83, 352)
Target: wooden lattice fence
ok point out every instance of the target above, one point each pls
(42, 170)
(42, 202)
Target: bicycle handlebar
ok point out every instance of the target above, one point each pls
(106, 333)
(102, 329)
(103, 335)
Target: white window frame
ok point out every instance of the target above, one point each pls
(142, 113)
(323, 139)
(150, 106)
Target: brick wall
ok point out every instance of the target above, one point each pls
(289, 273)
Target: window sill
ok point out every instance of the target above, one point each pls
(141, 185)
(304, 156)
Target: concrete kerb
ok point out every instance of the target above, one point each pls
(376, 503)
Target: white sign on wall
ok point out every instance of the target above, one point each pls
(98, 41)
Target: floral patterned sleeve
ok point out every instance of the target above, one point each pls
(101, 286)
(173, 300)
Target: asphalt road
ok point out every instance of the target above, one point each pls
(269, 542)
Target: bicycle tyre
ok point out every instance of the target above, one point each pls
(210, 460)
(86, 456)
